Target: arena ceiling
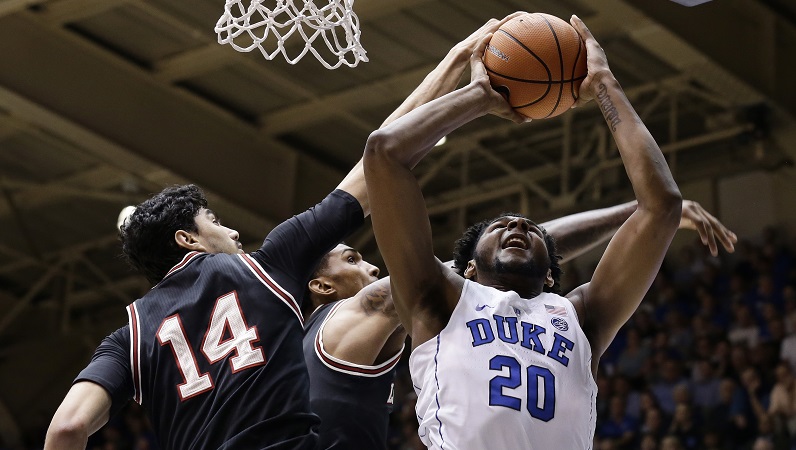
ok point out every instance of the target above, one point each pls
(103, 102)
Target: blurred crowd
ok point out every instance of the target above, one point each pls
(707, 362)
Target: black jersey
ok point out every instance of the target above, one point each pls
(354, 401)
(213, 352)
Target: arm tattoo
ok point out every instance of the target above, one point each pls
(378, 300)
(607, 106)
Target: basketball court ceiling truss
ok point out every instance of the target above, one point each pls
(103, 102)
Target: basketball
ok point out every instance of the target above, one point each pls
(538, 62)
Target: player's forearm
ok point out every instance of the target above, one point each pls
(578, 233)
(646, 167)
(440, 81)
(62, 436)
(408, 139)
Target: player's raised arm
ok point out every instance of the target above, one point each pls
(636, 252)
(424, 299)
(578, 233)
(440, 81)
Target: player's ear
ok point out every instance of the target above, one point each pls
(321, 286)
(188, 240)
(549, 281)
(470, 272)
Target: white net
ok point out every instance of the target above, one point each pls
(268, 27)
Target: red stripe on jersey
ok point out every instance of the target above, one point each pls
(273, 286)
(350, 368)
(135, 359)
(188, 256)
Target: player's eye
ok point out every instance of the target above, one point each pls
(352, 260)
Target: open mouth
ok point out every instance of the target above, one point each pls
(516, 242)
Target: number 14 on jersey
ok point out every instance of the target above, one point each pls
(227, 316)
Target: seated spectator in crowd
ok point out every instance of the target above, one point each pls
(671, 443)
(618, 426)
(685, 427)
(654, 424)
(670, 376)
(756, 393)
(744, 330)
(783, 399)
(704, 385)
(632, 358)
(648, 442)
(731, 414)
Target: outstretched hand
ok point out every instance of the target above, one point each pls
(478, 76)
(710, 230)
(596, 62)
(471, 42)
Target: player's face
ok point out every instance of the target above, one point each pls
(512, 245)
(348, 272)
(214, 237)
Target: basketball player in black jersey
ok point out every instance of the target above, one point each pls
(213, 352)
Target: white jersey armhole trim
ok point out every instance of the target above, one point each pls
(135, 351)
(343, 366)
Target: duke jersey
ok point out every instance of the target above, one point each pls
(353, 401)
(506, 373)
(214, 353)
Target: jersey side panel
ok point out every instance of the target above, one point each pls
(353, 401)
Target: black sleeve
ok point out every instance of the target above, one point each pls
(296, 246)
(110, 368)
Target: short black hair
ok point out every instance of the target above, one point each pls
(147, 235)
(464, 250)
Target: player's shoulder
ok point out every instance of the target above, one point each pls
(319, 314)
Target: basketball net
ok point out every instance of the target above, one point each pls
(248, 27)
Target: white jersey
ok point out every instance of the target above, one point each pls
(506, 373)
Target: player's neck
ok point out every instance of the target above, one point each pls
(521, 284)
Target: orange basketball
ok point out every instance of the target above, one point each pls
(538, 62)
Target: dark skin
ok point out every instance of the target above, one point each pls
(428, 291)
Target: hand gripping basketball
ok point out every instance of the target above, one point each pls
(478, 76)
(596, 61)
(538, 62)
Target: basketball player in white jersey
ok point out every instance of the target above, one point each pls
(499, 362)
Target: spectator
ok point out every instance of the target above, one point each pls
(744, 331)
(783, 399)
(632, 357)
(685, 427)
(663, 389)
(705, 385)
(671, 443)
(731, 414)
(618, 426)
(654, 424)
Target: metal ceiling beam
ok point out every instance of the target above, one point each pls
(387, 90)
(126, 164)
(190, 123)
(34, 290)
(66, 11)
(12, 6)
